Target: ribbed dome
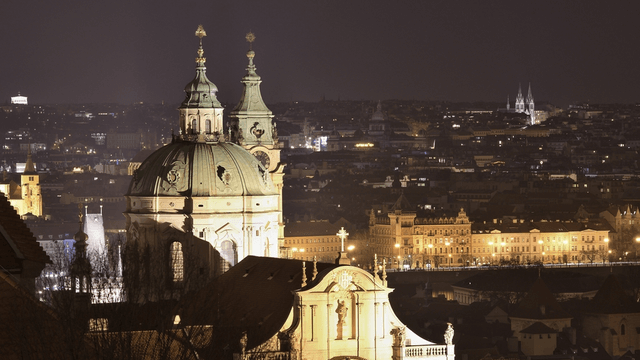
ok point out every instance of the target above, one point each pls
(185, 168)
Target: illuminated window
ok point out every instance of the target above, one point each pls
(207, 126)
(177, 261)
(99, 324)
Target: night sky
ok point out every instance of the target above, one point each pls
(81, 51)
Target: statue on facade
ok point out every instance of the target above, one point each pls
(399, 335)
(448, 334)
(341, 310)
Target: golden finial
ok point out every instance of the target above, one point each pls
(250, 54)
(200, 32)
(80, 215)
(250, 37)
(200, 60)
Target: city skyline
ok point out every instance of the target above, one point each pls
(438, 50)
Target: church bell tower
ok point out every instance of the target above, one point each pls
(252, 127)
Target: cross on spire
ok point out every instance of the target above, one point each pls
(342, 234)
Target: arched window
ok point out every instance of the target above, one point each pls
(228, 255)
(207, 126)
(177, 261)
(622, 329)
(194, 126)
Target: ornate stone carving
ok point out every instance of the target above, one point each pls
(275, 133)
(256, 131)
(133, 233)
(399, 335)
(341, 310)
(224, 175)
(448, 334)
(345, 280)
(173, 181)
(264, 175)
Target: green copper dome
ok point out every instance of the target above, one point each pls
(185, 168)
(201, 92)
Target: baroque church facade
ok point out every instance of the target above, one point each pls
(211, 197)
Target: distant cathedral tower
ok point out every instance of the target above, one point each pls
(531, 109)
(519, 101)
(524, 106)
(253, 128)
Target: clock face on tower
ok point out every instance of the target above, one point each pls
(263, 157)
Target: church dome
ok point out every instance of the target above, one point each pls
(185, 168)
(200, 92)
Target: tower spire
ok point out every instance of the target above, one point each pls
(251, 118)
(81, 267)
(201, 112)
(29, 167)
(519, 100)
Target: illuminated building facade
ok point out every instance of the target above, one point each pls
(25, 197)
(288, 309)
(408, 241)
(312, 239)
(203, 198)
(524, 105)
(252, 127)
(522, 242)
(19, 100)
(411, 242)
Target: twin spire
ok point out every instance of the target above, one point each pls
(201, 92)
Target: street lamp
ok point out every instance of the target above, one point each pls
(398, 251)
(350, 248)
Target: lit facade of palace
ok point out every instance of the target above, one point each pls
(522, 242)
(408, 241)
